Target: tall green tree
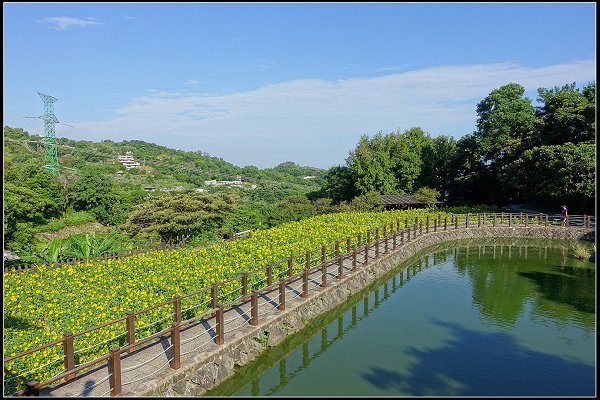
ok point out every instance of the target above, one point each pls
(554, 175)
(438, 170)
(93, 192)
(338, 184)
(389, 163)
(505, 125)
(567, 114)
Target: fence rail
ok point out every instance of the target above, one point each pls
(316, 266)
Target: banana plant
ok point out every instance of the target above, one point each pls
(52, 252)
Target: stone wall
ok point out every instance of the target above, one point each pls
(243, 347)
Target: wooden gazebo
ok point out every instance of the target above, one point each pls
(391, 201)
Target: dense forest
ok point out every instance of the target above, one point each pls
(518, 153)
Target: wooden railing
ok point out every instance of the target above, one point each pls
(212, 302)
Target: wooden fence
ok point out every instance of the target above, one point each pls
(213, 301)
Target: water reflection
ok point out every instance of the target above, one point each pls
(509, 280)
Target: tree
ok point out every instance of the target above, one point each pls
(22, 204)
(567, 115)
(389, 163)
(505, 119)
(292, 208)
(174, 217)
(338, 184)
(438, 157)
(370, 201)
(427, 195)
(93, 192)
(554, 175)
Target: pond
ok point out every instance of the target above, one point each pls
(484, 317)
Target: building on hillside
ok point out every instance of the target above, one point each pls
(128, 161)
(215, 183)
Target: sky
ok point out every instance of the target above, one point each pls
(264, 83)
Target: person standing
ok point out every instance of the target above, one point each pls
(565, 215)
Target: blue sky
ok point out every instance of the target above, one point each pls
(263, 83)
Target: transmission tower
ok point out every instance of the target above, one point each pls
(50, 138)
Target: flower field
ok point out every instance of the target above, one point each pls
(40, 306)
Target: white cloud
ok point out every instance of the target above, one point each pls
(317, 122)
(62, 23)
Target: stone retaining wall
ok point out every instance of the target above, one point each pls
(244, 346)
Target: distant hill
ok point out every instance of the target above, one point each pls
(158, 165)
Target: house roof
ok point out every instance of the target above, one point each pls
(399, 199)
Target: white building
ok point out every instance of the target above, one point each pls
(128, 161)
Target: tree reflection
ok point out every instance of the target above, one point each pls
(559, 287)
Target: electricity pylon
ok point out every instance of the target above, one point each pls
(49, 138)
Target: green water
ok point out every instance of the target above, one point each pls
(486, 317)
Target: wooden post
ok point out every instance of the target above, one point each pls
(130, 327)
(254, 309)
(479, 220)
(305, 284)
(323, 253)
(307, 260)
(176, 344)
(394, 240)
(368, 236)
(494, 220)
(509, 219)
(420, 228)
(220, 339)
(337, 248)
(354, 260)
(385, 248)
(376, 249)
(376, 233)
(244, 287)
(446, 223)
(348, 244)
(427, 225)
(484, 218)
(323, 274)
(467, 220)
(269, 274)
(366, 254)
(177, 308)
(114, 368)
(69, 354)
(340, 267)
(456, 222)
(359, 241)
(526, 220)
(31, 389)
(281, 306)
(546, 220)
(290, 266)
